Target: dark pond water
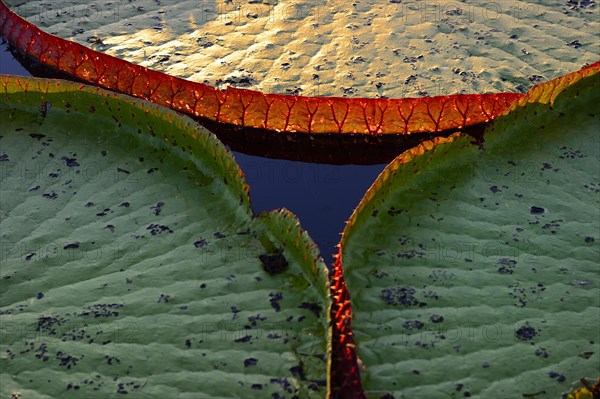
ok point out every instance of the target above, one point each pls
(321, 196)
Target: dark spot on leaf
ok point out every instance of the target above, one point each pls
(254, 319)
(66, 360)
(275, 298)
(494, 189)
(164, 298)
(52, 195)
(73, 245)
(103, 213)
(400, 296)
(250, 362)
(40, 295)
(412, 325)
(506, 265)
(553, 374)
(536, 210)
(203, 285)
(188, 343)
(378, 273)
(110, 360)
(526, 333)
(541, 352)
(101, 310)
(158, 229)
(71, 162)
(435, 318)
(157, 208)
(220, 235)
(274, 263)
(409, 254)
(125, 204)
(200, 243)
(245, 338)
(37, 136)
(589, 239)
(123, 170)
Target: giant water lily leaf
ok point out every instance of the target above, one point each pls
(132, 263)
(252, 109)
(473, 270)
(336, 47)
(359, 122)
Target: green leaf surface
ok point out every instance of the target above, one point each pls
(131, 261)
(473, 270)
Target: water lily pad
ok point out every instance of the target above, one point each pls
(131, 260)
(473, 269)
